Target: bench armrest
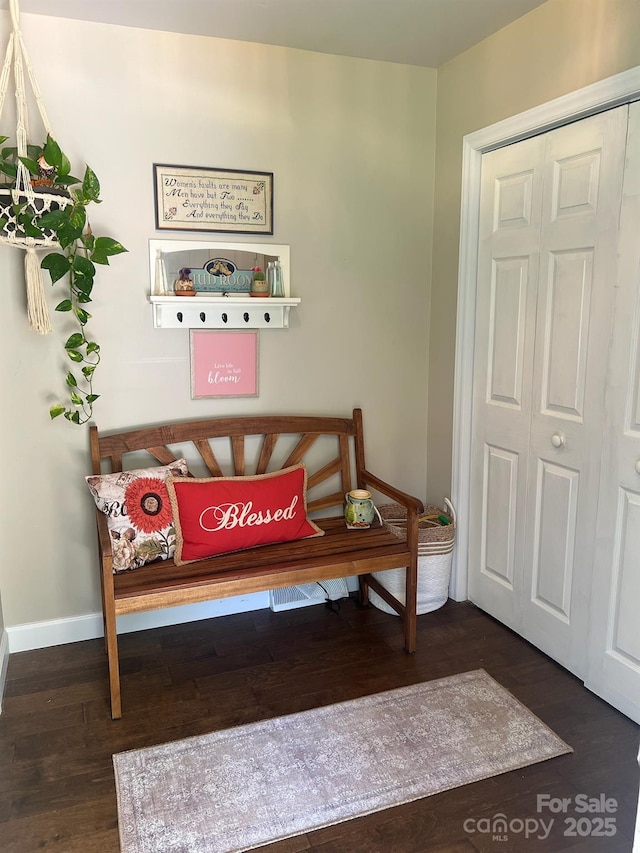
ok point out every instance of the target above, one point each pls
(103, 535)
(411, 503)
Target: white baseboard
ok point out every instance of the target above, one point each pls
(55, 632)
(4, 662)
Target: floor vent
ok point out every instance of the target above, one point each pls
(291, 597)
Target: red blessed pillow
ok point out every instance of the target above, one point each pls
(221, 514)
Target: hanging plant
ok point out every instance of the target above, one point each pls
(79, 252)
(42, 205)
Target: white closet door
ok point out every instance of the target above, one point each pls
(584, 164)
(508, 251)
(545, 294)
(614, 639)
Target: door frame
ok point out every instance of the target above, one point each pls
(612, 92)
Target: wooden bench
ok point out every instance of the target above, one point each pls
(332, 450)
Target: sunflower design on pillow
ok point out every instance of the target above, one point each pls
(147, 502)
(139, 513)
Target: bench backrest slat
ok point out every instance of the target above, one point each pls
(162, 454)
(329, 470)
(326, 502)
(297, 454)
(208, 457)
(237, 445)
(268, 445)
(166, 443)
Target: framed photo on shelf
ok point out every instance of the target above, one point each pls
(223, 364)
(192, 198)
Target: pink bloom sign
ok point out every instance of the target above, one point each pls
(224, 364)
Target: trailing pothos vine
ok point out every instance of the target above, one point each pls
(75, 260)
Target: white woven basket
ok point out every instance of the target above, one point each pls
(38, 203)
(435, 552)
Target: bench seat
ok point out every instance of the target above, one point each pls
(339, 553)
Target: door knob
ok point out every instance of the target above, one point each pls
(638, 466)
(558, 440)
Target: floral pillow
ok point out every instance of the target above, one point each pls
(139, 514)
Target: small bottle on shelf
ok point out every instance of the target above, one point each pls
(277, 284)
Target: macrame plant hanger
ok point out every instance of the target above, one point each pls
(13, 233)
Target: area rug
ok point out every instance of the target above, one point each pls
(240, 788)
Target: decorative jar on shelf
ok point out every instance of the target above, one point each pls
(183, 285)
(259, 285)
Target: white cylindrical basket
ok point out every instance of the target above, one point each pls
(435, 551)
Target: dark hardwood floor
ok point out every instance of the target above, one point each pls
(56, 736)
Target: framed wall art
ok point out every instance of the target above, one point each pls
(190, 198)
(223, 364)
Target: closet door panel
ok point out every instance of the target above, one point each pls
(507, 328)
(566, 293)
(614, 637)
(500, 480)
(553, 558)
(625, 637)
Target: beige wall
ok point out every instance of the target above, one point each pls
(351, 143)
(558, 48)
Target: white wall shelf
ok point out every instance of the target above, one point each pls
(221, 312)
(213, 310)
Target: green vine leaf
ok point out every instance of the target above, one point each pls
(65, 305)
(56, 410)
(66, 180)
(88, 240)
(72, 382)
(78, 218)
(109, 246)
(52, 153)
(30, 229)
(82, 315)
(64, 168)
(74, 341)
(9, 169)
(83, 266)
(57, 264)
(67, 235)
(91, 185)
(31, 165)
(53, 219)
(75, 355)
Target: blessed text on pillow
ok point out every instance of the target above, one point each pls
(222, 514)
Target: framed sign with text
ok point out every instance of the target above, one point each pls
(224, 364)
(188, 198)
